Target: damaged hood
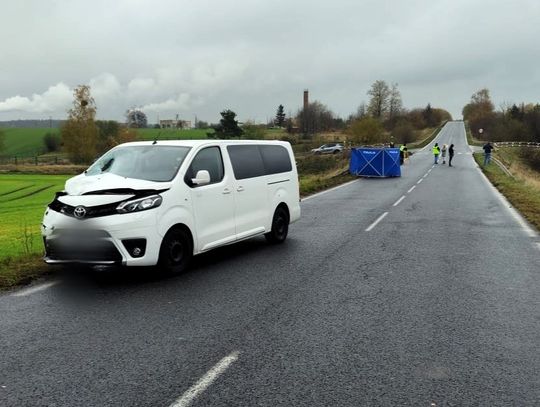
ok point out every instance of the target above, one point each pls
(111, 184)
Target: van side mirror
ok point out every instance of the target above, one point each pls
(202, 178)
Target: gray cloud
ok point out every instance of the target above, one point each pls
(198, 58)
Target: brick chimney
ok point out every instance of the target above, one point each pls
(306, 98)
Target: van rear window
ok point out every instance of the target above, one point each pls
(251, 161)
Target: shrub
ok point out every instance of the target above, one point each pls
(52, 142)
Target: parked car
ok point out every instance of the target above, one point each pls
(148, 203)
(331, 148)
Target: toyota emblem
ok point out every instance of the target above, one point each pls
(79, 212)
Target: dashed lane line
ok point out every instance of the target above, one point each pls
(370, 227)
(411, 189)
(399, 201)
(420, 180)
(33, 290)
(204, 382)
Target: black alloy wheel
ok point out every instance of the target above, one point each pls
(175, 252)
(280, 226)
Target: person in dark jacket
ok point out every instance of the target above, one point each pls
(450, 154)
(487, 153)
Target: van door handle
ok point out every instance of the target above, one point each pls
(240, 189)
(226, 191)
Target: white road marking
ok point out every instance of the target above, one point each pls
(32, 290)
(399, 201)
(425, 175)
(514, 213)
(376, 222)
(411, 189)
(420, 180)
(204, 382)
(328, 190)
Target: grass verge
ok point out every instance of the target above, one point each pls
(20, 270)
(470, 139)
(522, 191)
(427, 140)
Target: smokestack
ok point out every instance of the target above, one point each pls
(306, 98)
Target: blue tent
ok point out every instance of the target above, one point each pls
(375, 162)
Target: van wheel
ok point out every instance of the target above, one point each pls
(175, 252)
(280, 226)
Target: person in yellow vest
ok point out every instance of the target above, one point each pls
(402, 153)
(436, 151)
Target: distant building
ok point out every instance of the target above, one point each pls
(175, 124)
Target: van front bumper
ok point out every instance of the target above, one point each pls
(125, 239)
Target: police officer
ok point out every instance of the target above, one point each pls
(436, 151)
(402, 153)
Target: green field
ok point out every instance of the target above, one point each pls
(25, 142)
(23, 199)
(172, 134)
(28, 142)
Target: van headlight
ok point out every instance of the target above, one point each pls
(141, 204)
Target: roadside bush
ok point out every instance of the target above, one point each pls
(52, 142)
(531, 156)
(403, 132)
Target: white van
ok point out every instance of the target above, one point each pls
(148, 203)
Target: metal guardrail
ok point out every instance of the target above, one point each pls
(516, 144)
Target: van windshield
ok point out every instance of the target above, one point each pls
(150, 163)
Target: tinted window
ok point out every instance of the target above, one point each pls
(208, 159)
(246, 161)
(276, 159)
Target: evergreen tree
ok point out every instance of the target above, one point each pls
(280, 116)
(227, 127)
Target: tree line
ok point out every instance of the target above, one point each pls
(516, 122)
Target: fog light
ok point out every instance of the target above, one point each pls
(135, 247)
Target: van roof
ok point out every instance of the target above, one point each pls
(197, 143)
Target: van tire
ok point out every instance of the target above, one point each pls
(175, 252)
(280, 226)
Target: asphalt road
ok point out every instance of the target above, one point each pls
(436, 304)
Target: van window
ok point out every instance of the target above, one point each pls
(246, 161)
(146, 162)
(276, 159)
(208, 159)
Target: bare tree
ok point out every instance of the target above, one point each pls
(378, 104)
(395, 104)
(79, 133)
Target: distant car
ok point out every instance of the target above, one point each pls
(331, 148)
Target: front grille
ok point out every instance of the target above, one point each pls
(90, 211)
(94, 250)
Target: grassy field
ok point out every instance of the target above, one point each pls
(22, 201)
(172, 134)
(26, 141)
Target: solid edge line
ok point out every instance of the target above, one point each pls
(399, 201)
(411, 189)
(32, 290)
(506, 203)
(328, 190)
(205, 381)
(370, 227)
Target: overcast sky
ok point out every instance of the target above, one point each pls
(200, 57)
